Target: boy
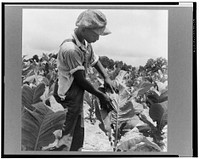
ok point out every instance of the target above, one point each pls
(74, 57)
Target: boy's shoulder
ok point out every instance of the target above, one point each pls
(68, 44)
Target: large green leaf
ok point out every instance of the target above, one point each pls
(144, 87)
(123, 115)
(154, 97)
(157, 110)
(126, 110)
(126, 107)
(34, 77)
(164, 96)
(32, 95)
(104, 117)
(38, 128)
(162, 86)
(26, 71)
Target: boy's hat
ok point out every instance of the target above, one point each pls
(93, 19)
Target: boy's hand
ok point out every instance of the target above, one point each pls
(104, 99)
(106, 102)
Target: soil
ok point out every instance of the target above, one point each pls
(95, 138)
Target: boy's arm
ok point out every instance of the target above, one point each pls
(108, 83)
(86, 85)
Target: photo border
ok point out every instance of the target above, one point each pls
(11, 64)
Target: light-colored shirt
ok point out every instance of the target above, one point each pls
(73, 56)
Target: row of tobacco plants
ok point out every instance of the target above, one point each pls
(139, 105)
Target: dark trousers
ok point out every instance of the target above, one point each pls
(72, 125)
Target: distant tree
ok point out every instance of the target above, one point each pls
(106, 62)
(161, 64)
(141, 71)
(36, 58)
(118, 64)
(152, 66)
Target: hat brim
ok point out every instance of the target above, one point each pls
(102, 31)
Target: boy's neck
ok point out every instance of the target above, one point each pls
(79, 35)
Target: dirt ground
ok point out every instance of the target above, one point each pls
(95, 138)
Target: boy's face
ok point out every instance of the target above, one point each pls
(90, 36)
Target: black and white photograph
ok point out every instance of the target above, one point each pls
(94, 80)
(99, 80)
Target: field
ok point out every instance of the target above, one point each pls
(137, 123)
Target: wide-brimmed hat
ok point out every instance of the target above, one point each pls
(95, 20)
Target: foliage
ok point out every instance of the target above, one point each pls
(157, 106)
(38, 120)
(149, 130)
(40, 70)
(32, 95)
(125, 103)
(38, 128)
(111, 64)
(35, 66)
(114, 123)
(106, 62)
(140, 103)
(153, 66)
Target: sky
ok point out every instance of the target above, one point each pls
(137, 35)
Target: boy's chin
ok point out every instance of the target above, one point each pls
(91, 41)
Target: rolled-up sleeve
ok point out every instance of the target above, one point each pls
(73, 61)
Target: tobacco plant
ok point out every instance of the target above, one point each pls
(117, 122)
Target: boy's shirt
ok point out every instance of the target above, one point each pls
(73, 56)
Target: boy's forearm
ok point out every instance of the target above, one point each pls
(84, 84)
(107, 81)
